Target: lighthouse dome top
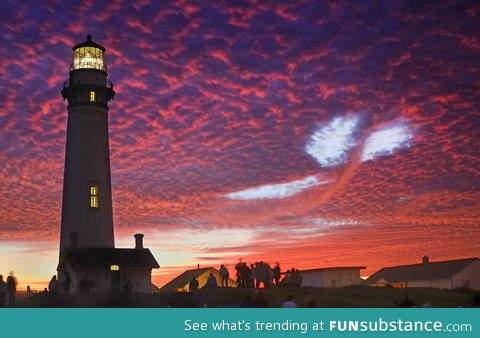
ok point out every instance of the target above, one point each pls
(89, 43)
(88, 55)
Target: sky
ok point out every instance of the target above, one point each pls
(312, 133)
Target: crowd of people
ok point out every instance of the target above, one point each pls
(256, 275)
(260, 274)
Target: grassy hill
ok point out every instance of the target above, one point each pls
(355, 296)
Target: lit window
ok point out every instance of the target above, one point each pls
(92, 96)
(88, 58)
(93, 196)
(114, 268)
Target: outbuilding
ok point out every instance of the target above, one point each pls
(334, 277)
(459, 273)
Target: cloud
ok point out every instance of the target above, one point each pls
(329, 144)
(386, 140)
(327, 223)
(303, 229)
(281, 190)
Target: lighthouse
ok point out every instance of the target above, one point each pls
(87, 193)
(88, 260)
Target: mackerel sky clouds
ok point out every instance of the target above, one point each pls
(312, 133)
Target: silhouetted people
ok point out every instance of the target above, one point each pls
(269, 275)
(245, 271)
(29, 291)
(287, 278)
(211, 281)
(299, 279)
(260, 274)
(296, 278)
(238, 268)
(193, 286)
(53, 285)
(224, 274)
(3, 292)
(276, 274)
(12, 290)
(293, 277)
(289, 303)
(407, 302)
(251, 277)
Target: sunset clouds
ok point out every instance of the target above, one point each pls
(385, 140)
(280, 190)
(312, 133)
(329, 145)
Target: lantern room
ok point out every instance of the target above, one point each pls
(88, 55)
(88, 82)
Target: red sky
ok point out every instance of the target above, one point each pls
(315, 134)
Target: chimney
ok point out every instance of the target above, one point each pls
(138, 241)
(74, 240)
(425, 260)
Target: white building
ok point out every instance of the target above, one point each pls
(335, 277)
(459, 273)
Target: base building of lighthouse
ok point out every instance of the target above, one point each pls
(87, 244)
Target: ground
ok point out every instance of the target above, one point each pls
(357, 296)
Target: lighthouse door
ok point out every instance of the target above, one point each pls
(115, 278)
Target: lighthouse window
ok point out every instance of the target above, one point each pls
(92, 96)
(114, 268)
(93, 196)
(88, 58)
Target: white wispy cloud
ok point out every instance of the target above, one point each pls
(271, 191)
(327, 223)
(384, 141)
(329, 144)
(306, 228)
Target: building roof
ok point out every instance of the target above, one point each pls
(154, 288)
(185, 278)
(104, 257)
(420, 272)
(335, 268)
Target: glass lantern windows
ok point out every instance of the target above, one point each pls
(88, 58)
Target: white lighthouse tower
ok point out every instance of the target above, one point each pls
(87, 194)
(89, 261)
